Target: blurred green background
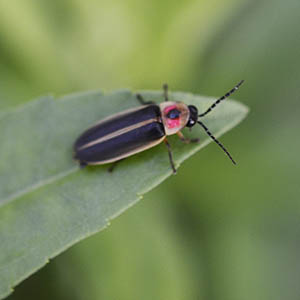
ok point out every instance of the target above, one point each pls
(213, 231)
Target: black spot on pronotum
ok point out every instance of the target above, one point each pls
(173, 114)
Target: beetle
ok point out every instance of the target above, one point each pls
(135, 130)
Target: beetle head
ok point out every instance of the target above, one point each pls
(193, 116)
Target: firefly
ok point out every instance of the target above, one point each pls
(135, 130)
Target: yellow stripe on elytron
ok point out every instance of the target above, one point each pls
(118, 133)
(135, 151)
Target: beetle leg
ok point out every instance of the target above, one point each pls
(142, 101)
(185, 140)
(170, 155)
(82, 164)
(111, 168)
(165, 88)
(113, 165)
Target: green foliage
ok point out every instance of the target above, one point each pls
(213, 231)
(47, 202)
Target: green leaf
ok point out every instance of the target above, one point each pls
(47, 203)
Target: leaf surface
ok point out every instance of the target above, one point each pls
(47, 203)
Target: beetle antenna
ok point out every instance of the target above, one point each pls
(221, 99)
(213, 138)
